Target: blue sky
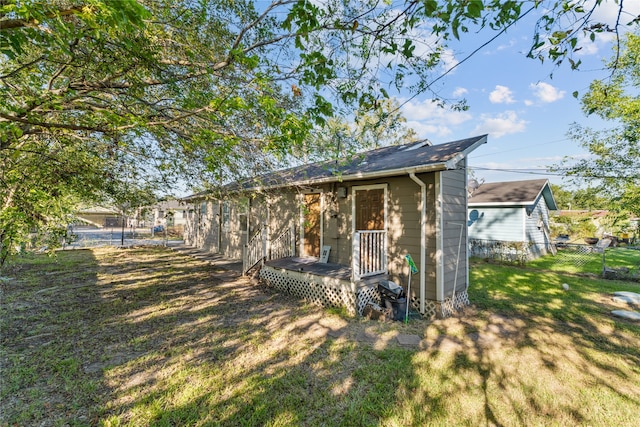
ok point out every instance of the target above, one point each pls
(526, 112)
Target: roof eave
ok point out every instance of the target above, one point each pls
(357, 176)
(501, 204)
(434, 167)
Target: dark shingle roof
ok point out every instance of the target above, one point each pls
(387, 161)
(416, 157)
(512, 193)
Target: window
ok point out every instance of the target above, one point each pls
(243, 213)
(226, 215)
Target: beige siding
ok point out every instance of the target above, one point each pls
(233, 233)
(403, 229)
(431, 262)
(279, 209)
(210, 229)
(454, 233)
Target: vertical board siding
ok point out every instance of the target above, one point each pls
(211, 228)
(403, 229)
(535, 234)
(454, 231)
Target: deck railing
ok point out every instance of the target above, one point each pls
(369, 253)
(255, 250)
(261, 249)
(284, 245)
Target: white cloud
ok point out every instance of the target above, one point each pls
(502, 124)
(609, 11)
(428, 119)
(546, 93)
(448, 59)
(501, 95)
(426, 130)
(460, 91)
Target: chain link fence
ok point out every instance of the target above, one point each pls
(621, 262)
(86, 237)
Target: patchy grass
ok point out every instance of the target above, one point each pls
(570, 261)
(149, 337)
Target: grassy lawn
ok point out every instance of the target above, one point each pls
(146, 336)
(571, 261)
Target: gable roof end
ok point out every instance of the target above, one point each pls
(513, 193)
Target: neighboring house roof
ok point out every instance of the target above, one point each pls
(98, 210)
(597, 213)
(510, 193)
(170, 204)
(416, 157)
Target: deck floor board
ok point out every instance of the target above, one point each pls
(314, 266)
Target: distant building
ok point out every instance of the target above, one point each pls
(100, 216)
(513, 214)
(170, 213)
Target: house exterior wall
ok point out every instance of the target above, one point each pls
(497, 223)
(200, 226)
(404, 228)
(208, 232)
(233, 214)
(454, 232)
(281, 208)
(524, 224)
(535, 224)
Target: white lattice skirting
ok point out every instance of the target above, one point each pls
(331, 292)
(433, 309)
(453, 304)
(320, 290)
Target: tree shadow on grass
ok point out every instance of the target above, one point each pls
(150, 337)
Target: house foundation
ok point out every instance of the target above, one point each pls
(337, 291)
(324, 291)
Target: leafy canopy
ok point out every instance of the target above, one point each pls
(107, 100)
(614, 164)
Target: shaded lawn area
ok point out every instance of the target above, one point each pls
(147, 336)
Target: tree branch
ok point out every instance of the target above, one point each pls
(8, 24)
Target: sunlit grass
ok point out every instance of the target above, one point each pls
(149, 337)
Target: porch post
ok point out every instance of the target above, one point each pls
(265, 243)
(355, 265)
(292, 236)
(423, 238)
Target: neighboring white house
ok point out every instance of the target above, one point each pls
(511, 215)
(170, 213)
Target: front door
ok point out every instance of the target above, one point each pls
(311, 225)
(369, 209)
(369, 238)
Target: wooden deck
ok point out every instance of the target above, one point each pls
(325, 284)
(313, 266)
